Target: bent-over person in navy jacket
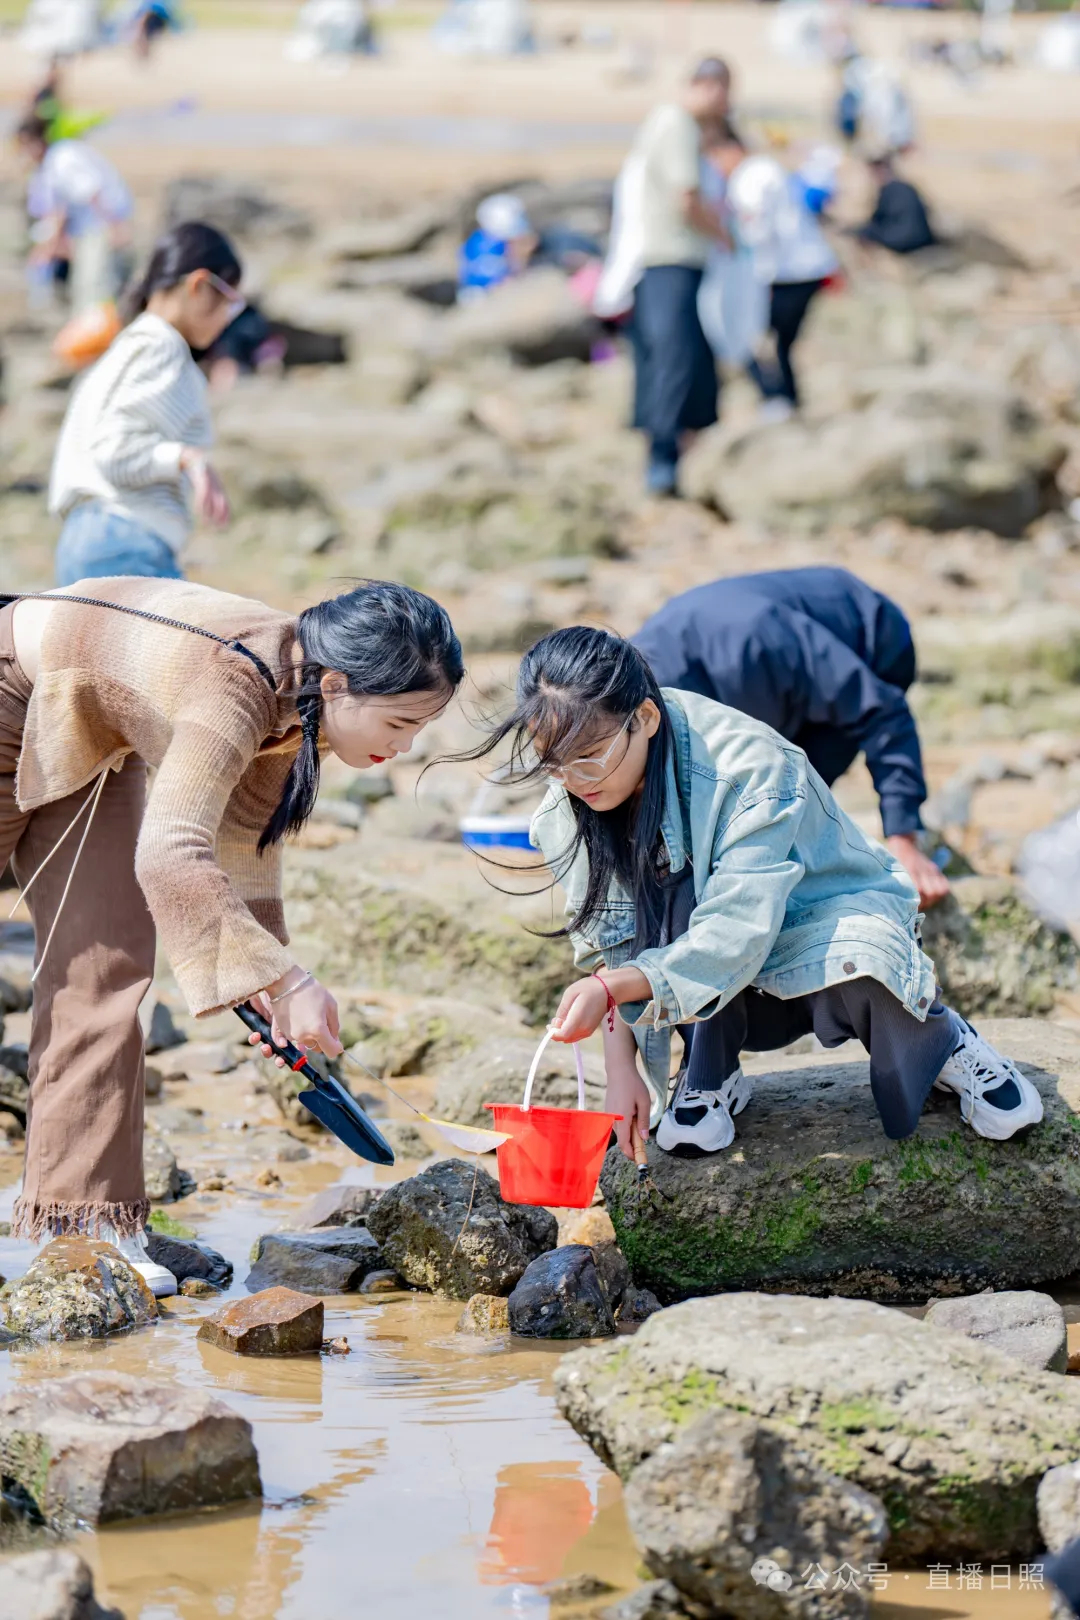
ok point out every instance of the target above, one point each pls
(823, 659)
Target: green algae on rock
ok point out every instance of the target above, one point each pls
(994, 957)
(952, 1437)
(77, 1288)
(813, 1198)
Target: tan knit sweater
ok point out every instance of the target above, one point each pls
(110, 685)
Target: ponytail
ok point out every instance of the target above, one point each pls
(386, 640)
(187, 247)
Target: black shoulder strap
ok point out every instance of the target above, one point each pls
(153, 618)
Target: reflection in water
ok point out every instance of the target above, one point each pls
(541, 1510)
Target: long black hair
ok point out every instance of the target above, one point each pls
(187, 247)
(386, 640)
(575, 686)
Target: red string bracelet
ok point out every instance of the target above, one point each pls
(610, 1003)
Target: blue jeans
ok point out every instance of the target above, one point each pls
(96, 544)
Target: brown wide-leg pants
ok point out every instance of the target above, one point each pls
(84, 1134)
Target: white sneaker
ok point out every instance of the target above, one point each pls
(699, 1122)
(158, 1279)
(995, 1098)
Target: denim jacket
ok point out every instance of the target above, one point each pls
(791, 896)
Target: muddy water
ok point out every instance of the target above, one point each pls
(424, 1474)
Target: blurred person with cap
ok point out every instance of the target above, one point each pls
(500, 247)
(823, 659)
(675, 382)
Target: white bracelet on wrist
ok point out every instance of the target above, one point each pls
(308, 978)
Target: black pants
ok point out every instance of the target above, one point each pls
(788, 305)
(675, 384)
(906, 1056)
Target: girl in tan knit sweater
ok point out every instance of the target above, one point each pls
(231, 702)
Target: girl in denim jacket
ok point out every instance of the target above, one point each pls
(714, 886)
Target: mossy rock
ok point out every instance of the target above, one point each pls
(950, 1435)
(994, 957)
(813, 1198)
(353, 926)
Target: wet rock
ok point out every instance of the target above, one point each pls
(277, 1322)
(561, 1296)
(656, 1600)
(637, 1305)
(495, 1072)
(165, 1181)
(613, 1271)
(382, 1282)
(163, 1033)
(1020, 1323)
(78, 1288)
(405, 1139)
(52, 1585)
(952, 1436)
(812, 1197)
(98, 1447)
(336, 1347)
(199, 1288)
(186, 1258)
(728, 1492)
(994, 956)
(339, 1205)
(485, 1313)
(575, 1589)
(153, 1080)
(428, 1232)
(1058, 1503)
(331, 1260)
(936, 447)
(14, 1088)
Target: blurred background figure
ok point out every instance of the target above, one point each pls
(149, 20)
(485, 28)
(873, 106)
(329, 28)
(61, 28)
(900, 221)
(80, 211)
(48, 103)
(132, 450)
(823, 659)
(501, 246)
(788, 251)
(671, 226)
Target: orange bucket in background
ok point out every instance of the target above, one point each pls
(553, 1155)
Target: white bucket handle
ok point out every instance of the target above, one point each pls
(536, 1064)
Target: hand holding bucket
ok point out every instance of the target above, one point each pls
(552, 1155)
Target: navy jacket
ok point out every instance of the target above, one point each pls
(814, 653)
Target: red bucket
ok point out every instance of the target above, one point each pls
(553, 1155)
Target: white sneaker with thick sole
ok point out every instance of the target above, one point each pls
(159, 1280)
(995, 1098)
(699, 1122)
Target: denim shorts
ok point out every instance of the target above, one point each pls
(96, 543)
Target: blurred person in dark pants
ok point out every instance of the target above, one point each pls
(822, 658)
(900, 221)
(675, 382)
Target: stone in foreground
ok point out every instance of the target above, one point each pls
(78, 1288)
(656, 1600)
(186, 1258)
(103, 1446)
(51, 1585)
(332, 1260)
(1058, 1502)
(1021, 1323)
(812, 1197)
(428, 1232)
(277, 1322)
(382, 1282)
(485, 1313)
(951, 1437)
(561, 1296)
(729, 1492)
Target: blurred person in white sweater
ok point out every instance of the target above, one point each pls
(131, 464)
